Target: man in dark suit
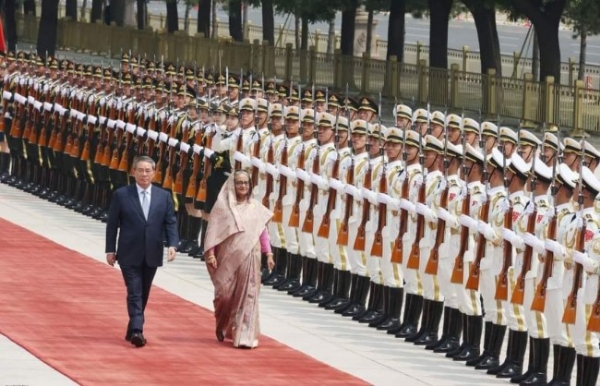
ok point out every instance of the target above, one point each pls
(141, 214)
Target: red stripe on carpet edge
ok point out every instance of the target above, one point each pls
(69, 310)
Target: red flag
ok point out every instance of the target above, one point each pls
(2, 42)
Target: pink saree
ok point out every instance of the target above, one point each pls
(234, 232)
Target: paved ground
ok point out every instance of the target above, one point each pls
(363, 352)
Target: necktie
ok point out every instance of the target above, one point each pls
(145, 203)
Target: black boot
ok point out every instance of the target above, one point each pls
(407, 304)
(530, 364)
(342, 296)
(309, 277)
(266, 273)
(383, 314)
(376, 310)
(486, 345)
(333, 289)
(288, 272)
(496, 339)
(325, 286)
(280, 268)
(472, 350)
(445, 331)
(370, 306)
(359, 308)
(464, 322)
(513, 365)
(564, 360)
(294, 270)
(589, 374)
(393, 320)
(195, 226)
(435, 316)
(424, 323)
(4, 166)
(452, 341)
(352, 300)
(412, 323)
(540, 357)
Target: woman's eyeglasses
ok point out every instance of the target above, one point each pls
(242, 183)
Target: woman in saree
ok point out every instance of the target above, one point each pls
(235, 238)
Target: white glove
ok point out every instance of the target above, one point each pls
(163, 137)
(172, 142)
(303, 175)
(534, 242)
(383, 198)
(336, 184)
(319, 181)
(272, 170)
(407, 206)
(513, 238)
(184, 147)
(351, 190)
(6, 95)
(554, 247)
(120, 124)
(426, 212)
(370, 195)
(286, 171)
(486, 230)
(131, 129)
(37, 105)
(111, 123)
(47, 106)
(241, 157)
(197, 148)
(208, 152)
(140, 131)
(30, 100)
(256, 162)
(467, 221)
(153, 135)
(92, 119)
(444, 215)
(588, 264)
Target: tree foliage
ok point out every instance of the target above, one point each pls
(583, 16)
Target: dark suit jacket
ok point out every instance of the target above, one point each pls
(138, 239)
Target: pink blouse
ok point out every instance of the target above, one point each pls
(265, 243)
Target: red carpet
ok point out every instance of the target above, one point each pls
(69, 311)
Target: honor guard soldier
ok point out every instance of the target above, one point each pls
(552, 148)
(489, 132)
(572, 155)
(259, 155)
(438, 124)
(257, 90)
(287, 196)
(509, 140)
(368, 224)
(585, 332)
(413, 177)
(320, 101)
(301, 205)
(421, 119)
(333, 104)
(342, 268)
(271, 91)
(276, 232)
(326, 160)
(389, 191)
(433, 299)
(350, 108)
(471, 200)
(307, 100)
(354, 171)
(489, 232)
(452, 325)
(516, 175)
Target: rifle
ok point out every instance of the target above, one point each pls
(475, 271)
(343, 233)
(295, 215)
(519, 290)
(331, 199)
(269, 184)
(398, 248)
(183, 163)
(361, 235)
(202, 189)
(168, 181)
(415, 250)
(192, 187)
(539, 298)
(458, 271)
(278, 207)
(570, 312)
(308, 225)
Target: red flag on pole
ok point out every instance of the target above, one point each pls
(2, 42)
